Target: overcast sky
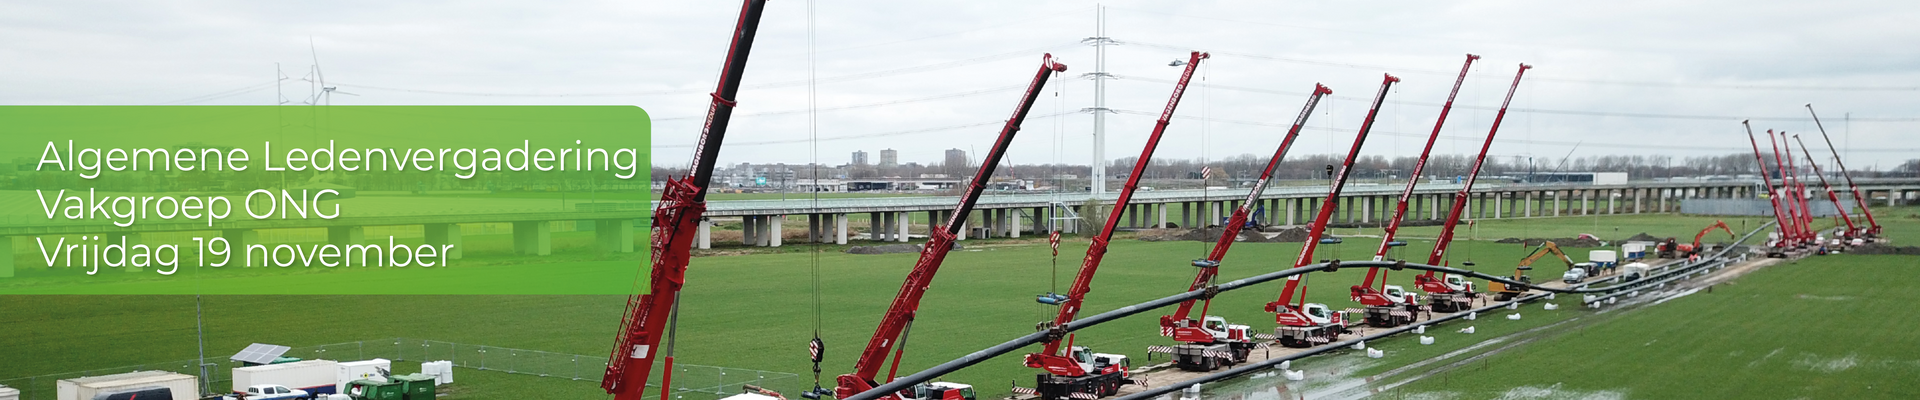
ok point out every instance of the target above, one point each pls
(1652, 77)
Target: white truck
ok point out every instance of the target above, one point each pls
(312, 377)
(141, 385)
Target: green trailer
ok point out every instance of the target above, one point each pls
(397, 387)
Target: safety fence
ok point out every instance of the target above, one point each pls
(690, 381)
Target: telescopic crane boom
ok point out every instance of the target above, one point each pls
(1831, 196)
(648, 315)
(1378, 302)
(1447, 296)
(1301, 324)
(1778, 247)
(1794, 213)
(1873, 227)
(899, 317)
(1205, 338)
(1050, 358)
(1210, 267)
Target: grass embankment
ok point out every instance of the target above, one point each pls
(752, 311)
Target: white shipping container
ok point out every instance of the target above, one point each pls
(179, 386)
(1603, 256)
(356, 370)
(1609, 178)
(313, 376)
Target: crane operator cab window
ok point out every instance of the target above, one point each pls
(1395, 292)
(1318, 311)
(1216, 325)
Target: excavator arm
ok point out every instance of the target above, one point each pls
(899, 317)
(1703, 233)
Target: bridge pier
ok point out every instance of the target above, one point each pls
(873, 232)
(702, 238)
(611, 235)
(840, 229)
(904, 222)
(441, 235)
(529, 238)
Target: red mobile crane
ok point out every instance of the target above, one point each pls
(1795, 215)
(1800, 193)
(1390, 305)
(1080, 371)
(1304, 324)
(1831, 196)
(1208, 340)
(1873, 227)
(649, 315)
(1777, 248)
(898, 320)
(1451, 293)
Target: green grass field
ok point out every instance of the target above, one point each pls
(747, 311)
(1825, 327)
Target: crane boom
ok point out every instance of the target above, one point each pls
(1787, 183)
(1460, 198)
(1050, 358)
(1413, 178)
(1831, 196)
(647, 318)
(1319, 225)
(1873, 227)
(900, 314)
(1779, 216)
(1210, 267)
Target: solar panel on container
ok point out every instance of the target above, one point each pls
(260, 353)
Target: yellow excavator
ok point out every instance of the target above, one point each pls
(1504, 292)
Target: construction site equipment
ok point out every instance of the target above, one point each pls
(141, 385)
(1504, 292)
(1206, 340)
(1081, 371)
(312, 376)
(1831, 196)
(1389, 306)
(1447, 293)
(1303, 324)
(1803, 215)
(1873, 227)
(1782, 240)
(648, 317)
(1688, 250)
(898, 320)
(396, 387)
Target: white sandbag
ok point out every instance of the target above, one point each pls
(1513, 306)
(1420, 329)
(1426, 339)
(1360, 345)
(1295, 375)
(1551, 306)
(1513, 316)
(1549, 295)
(1473, 315)
(1286, 364)
(1467, 330)
(1375, 353)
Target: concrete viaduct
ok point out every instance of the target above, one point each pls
(1012, 215)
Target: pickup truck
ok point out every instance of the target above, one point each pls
(270, 392)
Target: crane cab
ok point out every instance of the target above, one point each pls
(942, 391)
(1098, 363)
(1398, 295)
(1458, 284)
(1223, 331)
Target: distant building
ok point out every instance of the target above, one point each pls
(1590, 178)
(860, 158)
(956, 163)
(889, 158)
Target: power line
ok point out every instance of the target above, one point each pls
(866, 105)
(870, 135)
(1372, 67)
(800, 82)
(1533, 110)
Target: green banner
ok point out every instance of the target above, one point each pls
(323, 199)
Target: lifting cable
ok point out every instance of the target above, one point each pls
(816, 348)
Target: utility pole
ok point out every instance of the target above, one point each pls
(1099, 75)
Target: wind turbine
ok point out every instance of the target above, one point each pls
(322, 94)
